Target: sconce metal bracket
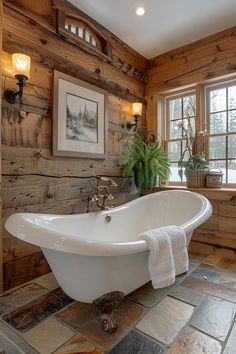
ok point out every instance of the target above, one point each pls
(135, 125)
(14, 96)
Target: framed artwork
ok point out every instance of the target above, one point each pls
(79, 118)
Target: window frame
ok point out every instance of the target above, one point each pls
(207, 89)
(202, 116)
(79, 24)
(167, 139)
(102, 51)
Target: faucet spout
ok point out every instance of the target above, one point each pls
(110, 181)
(102, 194)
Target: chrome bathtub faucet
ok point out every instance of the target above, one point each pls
(102, 194)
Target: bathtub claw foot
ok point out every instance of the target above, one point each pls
(107, 304)
(109, 322)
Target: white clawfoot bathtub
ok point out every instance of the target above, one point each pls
(91, 256)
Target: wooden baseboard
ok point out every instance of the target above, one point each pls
(23, 270)
(206, 249)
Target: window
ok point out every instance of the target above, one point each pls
(221, 126)
(218, 101)
(82, 30)
(180, 110)
(84, 34)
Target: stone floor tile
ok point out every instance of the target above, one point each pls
(77, 345)
(191, 268)
(214, 276)
(165, 320)
(208, 287)
(147, 296)
(29, 315)
(191, 296)
(85, 318)
(221, 265)
(214, 317)
(20, 296)
(230, 347)
(7, 346)
(135, 342)
(219, 262)
(48, 281)
(13, 343)
(49, 335)
(192, 341)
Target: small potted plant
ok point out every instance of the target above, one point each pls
(193, 162)
(147, 161)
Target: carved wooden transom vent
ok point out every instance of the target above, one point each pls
(80, 31)
(83, 31)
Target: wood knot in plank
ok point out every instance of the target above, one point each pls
(32, 22)
(43, 41)
(233, 198)
(50, 190)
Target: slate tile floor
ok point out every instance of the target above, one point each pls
(197, 315)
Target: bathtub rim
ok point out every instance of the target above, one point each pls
(19, 227)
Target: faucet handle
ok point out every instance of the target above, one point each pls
(110, 197)
(94, 198)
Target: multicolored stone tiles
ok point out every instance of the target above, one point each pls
(195, 315)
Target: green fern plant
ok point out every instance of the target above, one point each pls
(147, 160)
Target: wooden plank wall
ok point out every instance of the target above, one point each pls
(203, 61)
(218, 234)
(1, 260)
(34, 180)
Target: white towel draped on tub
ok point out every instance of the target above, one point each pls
(168, 254)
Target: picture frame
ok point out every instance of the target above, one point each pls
(80, 124)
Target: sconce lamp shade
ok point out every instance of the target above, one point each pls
(137, 108)
(137, 112)
(21, 71)
(21, 65)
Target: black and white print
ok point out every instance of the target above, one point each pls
(81, 119)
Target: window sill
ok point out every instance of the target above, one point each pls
(210, 193)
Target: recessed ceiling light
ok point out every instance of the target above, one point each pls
(140, 11)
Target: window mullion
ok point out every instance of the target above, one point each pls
(227, 139)
(207, 122)
(170, 121)
(199, 120)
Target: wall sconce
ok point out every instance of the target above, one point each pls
(21, 71)
(137, 112)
